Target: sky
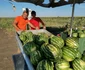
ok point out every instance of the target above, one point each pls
(6, 9)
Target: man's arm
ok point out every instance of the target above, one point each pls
(32, 26)
(15, 25)
(44, 27)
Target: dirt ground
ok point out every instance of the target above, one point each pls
(8, 47)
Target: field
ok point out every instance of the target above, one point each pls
(57, 22)
(8, 45)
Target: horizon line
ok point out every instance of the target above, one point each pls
(47, 16)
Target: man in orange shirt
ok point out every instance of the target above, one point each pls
(20, 22)
(35, 21)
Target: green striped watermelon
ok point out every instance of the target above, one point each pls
(30, 47)
(45, 65)
(57, 41)
(62, 65)
(72, 42)
(78, 64)
(81, 35)
(51, 52)
(22, 36)
(69, 53)
(35, 57)
(26, 37)
(41, 38)
(29, 36)
(78, 54)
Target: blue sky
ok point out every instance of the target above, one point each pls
(7, 11)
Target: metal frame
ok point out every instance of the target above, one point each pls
(29, 65)
(72, 18)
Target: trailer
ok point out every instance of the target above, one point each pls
(22, 57)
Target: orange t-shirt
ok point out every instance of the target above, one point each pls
(21, 22)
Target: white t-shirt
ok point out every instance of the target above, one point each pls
(29, 17)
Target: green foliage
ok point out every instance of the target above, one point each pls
(59, 22)
(6, 23)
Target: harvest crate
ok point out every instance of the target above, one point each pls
(26, 58)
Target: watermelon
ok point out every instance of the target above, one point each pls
(26, 37)
(29, 36)
(45, 65)
(36, 38)
(62, 65)
(69, 53)
(81, 35)
(78, 64)
(30, 47)
(79, 31)
(57, 41)
(51, 52)
(25, 42)
(42, 51)
(23, 38)
(75, 34)
(23, 33)
(35, 57)
(73, 31)
(72, 42)
(78, 54)
(41, 38)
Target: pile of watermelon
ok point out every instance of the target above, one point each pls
(78, 33)
(52, 52)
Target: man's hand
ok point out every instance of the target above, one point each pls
(18, 29)
(37, 28)
(44, 27)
